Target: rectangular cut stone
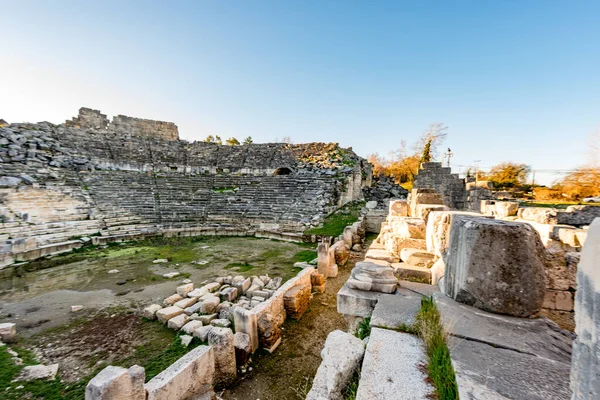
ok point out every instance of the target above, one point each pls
(198, 292)
(8, 332)
(183, 290)
(191, 326)
(185, 303)
(296, 301)
(394, 310)
(117, 383)
(177, 322)
(191, 375)
(392, 365)
(358, 303)
(169, 301)
(342, 356)
(167, 313)
(245, 322)
(150, 311)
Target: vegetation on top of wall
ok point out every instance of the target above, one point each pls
(225, 189)
(334, 223)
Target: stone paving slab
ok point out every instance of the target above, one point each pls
(538, 336)
(392, 311)
(390, 369)
(421, 288)
(484, 372)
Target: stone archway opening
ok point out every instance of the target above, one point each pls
(283, 171)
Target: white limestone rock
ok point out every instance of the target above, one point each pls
(190, 376)
(167, 313)
(150, 311)
(191, 326)
(32, 372)
(116, 383)
(183, 290)
(221, 340)
(342, 356)
(177, 322)
(8, 332)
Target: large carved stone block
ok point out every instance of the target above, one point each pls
(494, 265)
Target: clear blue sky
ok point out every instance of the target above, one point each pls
(513, 80)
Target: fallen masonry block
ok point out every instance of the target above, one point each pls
(193, 309)
(116, 383)
(199, 292)
(209, 305)
(8, 332)
(342, 355)
(406, 271)
(296, 301)
(222, 342)
(177, 322)
(190, 376)
(185, 303)
(495, 265)
(169, 301)
(229, 294)
(150, 311)
(221, 323)
(317, 279)
(167, 313)
(423, 210)
(191, 326)
(33, 372)
(207, 319)
(398, 208)
(183, 290)
(202, 332)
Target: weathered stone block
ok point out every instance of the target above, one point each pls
(296, 301)
(495, 265)
(167, 313)
(183, 290)
(245, 322)
(150, 311)
(177, 322)
(169, 301)
(372, 277)
(222, 342)
(342, 355)
(8, 332)
(269, 330)
(398, 208)
(186, 302)
(117, 383)
(190, 376)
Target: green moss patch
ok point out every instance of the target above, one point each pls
(334, 223)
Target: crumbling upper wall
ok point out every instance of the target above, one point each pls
(124, 125)
(88, 118)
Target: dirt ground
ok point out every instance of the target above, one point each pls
(287, 373)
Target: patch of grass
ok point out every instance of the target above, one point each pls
(352, 389)
(159, 362)
(363, 329)
(37, 389)
(242, 267)
(334, 223)
(225, 189)
(305, 256)
(439, 365)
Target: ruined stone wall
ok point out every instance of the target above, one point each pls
(433, 176)
(59, 182)
(122, 124)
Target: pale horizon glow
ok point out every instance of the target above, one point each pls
(513, 81)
